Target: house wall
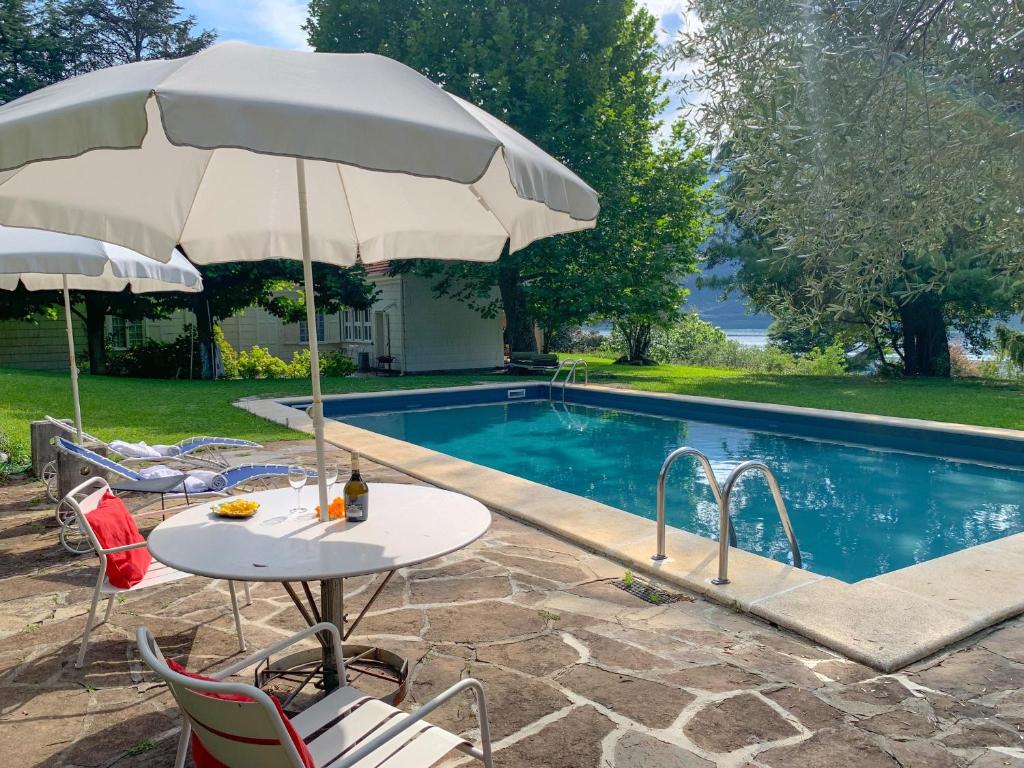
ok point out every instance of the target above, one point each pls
(427, 333)
(445, 335)
(41, 345)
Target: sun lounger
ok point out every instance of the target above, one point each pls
(198, 451)
(532, 362)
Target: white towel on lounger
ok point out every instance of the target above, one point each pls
(139, 450)
(196, 481)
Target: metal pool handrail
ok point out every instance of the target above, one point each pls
(725, 518)
(678, 453)
(571, 375)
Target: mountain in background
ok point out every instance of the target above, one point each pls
(730, 314)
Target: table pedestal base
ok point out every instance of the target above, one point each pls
(307, 667)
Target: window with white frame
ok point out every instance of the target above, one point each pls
(304, 330)
(126, 333)
(356, 325)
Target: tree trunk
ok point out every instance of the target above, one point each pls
(925, 341)
(96, 332)
(638, 341)
(205, 343)
(518, 327)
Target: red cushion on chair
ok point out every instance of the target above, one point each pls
(204, 759)
(114, 526)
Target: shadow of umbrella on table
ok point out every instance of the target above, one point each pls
(243, 153)
(47, 261)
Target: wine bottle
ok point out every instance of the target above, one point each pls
(357, 495)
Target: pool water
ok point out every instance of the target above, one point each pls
(857, 512)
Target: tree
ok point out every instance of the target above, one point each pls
(578, 77)
(649, 241)
(124, 31)
(876, 150)
(22, 57)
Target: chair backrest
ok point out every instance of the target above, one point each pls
(83, 499)
(240, 734)
(199, 442)
(96, 459)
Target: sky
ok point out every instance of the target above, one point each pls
(279, 22)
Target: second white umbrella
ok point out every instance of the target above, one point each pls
(41, 261)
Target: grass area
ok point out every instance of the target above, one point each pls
(161, 411)
(166, 411)
(962, 401)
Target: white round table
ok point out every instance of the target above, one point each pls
(407, 524)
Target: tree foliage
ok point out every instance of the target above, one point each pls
(581, 78)
(876, 152)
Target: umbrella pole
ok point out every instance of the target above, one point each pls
(71, 360)
(314, 351)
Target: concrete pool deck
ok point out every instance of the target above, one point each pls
(578, 673)
(885, 622)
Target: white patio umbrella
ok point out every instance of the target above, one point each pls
(43, 261)
(245, 153)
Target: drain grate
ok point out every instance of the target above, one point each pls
(648, 592)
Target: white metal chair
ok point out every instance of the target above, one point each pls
(346, 729)
(85, 498)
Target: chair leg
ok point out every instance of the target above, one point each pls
(183, 740)
(248, 597)
(238, 617)
(110, 608)
(88, 628)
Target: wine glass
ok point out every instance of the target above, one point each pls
(297, 479)
(331, 476)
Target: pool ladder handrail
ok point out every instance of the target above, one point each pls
(723, 495)
(678, 453)
(571, 366)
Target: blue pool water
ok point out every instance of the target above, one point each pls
(857, 511)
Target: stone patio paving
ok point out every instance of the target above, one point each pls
(577, 672)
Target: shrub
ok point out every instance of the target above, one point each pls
(154, 359)
(15, 455)
(830, 361)
(337, 363)
(579, 340)
(692, 341)
(300, 365)
(258, 363)
(960, 364)
(228, 355)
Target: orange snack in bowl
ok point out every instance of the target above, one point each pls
(337, 509)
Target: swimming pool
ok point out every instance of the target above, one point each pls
(858, 510)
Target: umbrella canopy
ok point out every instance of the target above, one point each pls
(243, 153)
(42, 260)
(396, 167)
(46, 261)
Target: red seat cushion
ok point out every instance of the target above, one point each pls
(114, 526)
(204, 759)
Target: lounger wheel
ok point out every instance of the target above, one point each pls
(49, 478)
(65, 513)
(74, 540)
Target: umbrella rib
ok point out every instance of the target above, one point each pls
(351, 215)
(191, 205)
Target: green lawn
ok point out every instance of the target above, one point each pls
(167, 411)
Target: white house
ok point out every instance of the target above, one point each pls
(406, 322)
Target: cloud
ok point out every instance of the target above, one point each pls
(284, 19)
(276, 23)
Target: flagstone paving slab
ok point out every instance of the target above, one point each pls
(578, 673)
